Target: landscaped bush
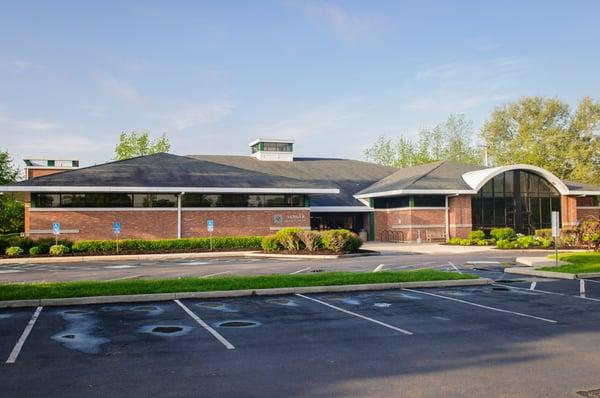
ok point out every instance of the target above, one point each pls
(218, 242)
(289, 239)
(270, 244)
(14, 251)
(311, 240)
(546, 242)
(525, 242)
(454, 241)
(476, 236)
(502, 233)
(543, 233)
(590, 234)
(34, 251)
(506, 244)
(58, 250)
(340, 240)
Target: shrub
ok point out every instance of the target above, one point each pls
(546, 242)
(590, 234)
(526, 241)
(34, 251)
(506, 244)
(465, 242)
(482, 243)
(289, 239)
(502, 233)
(218, 242)
(14, 251)
(543, 233)
(58, 250)
(310, 239)
(340, 240)
(270, 244)
(454, 241)
(476, 235)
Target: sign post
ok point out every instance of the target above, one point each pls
(210, 226)
(556, 233)
(56, 231)
(117, 232)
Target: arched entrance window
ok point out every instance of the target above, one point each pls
(519, 199)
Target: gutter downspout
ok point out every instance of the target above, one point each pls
(447, 211)
(179, 223)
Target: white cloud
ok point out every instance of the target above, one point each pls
(460, 86)
(340, 22)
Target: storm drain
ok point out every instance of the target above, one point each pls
(237, 324)
(590, 394)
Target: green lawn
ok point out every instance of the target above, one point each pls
(578, 263)
(20, 291)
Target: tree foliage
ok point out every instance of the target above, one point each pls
(11, 211)
(133, 144)
(545, 132)
(451, 140)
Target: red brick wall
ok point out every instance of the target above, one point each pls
(98, 224)
(410, 221)
(33, 173)
(162, 224)
(460, 215)
(568, 206)
(587, 214)
(242, 222)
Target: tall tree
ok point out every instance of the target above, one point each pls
(11, 211)
(451, 140)
(133, 144)
(545, 132)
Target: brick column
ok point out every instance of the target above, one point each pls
(459, 214)
(568, 206)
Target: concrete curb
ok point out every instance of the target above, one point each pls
(137, 298)
(121, 257)
(311, 256)
(170, 256)
(588, 275)
(538, 262)
(543, 274)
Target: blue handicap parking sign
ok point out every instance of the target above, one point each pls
(117, 227)
(210, 225)
(56, 228)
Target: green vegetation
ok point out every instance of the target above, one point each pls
(58, 250)
(451, 140)
(11, 211)
(578, 263)
(133, 144)
(140, 245)
(295, 239)
(502, 233)
(23, 291)
(14, 251)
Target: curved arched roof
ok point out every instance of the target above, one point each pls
(477, 179)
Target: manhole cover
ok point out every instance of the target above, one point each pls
(167, 329)
(238, 324)
(590, 394)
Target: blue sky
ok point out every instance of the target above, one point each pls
(331, 74)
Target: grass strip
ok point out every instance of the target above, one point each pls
(578, 263)
(23, 291)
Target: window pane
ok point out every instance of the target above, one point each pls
(46, 200)
(296, 200)
(199, 200)
(275, 200)
(499, 211)
(72, 200)
(509, 181)
(429, 200)
(119, 200)
(233, 200)
(256, 200)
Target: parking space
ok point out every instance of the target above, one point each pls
(213, 347)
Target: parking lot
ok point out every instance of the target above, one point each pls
(520, 337)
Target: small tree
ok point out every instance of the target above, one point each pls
(133, 144)
(11, 211)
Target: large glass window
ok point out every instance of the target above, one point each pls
(519, 199)
(410, 201)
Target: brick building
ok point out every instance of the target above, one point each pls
(170, 196)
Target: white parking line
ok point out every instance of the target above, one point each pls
(355, 314)
(582, 288)
(300, 271)
(591, 280)
(379, 268)
(483, 306)
(206, 326)
(548, 292)
(17, 349)
(533, 285)
(455, 267)
(215, 274)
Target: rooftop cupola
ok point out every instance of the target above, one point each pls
(273, 149)
(41, 166)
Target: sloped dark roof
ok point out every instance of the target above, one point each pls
(444, 175)
(349, 176)
(579, 186)
(166, 170)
